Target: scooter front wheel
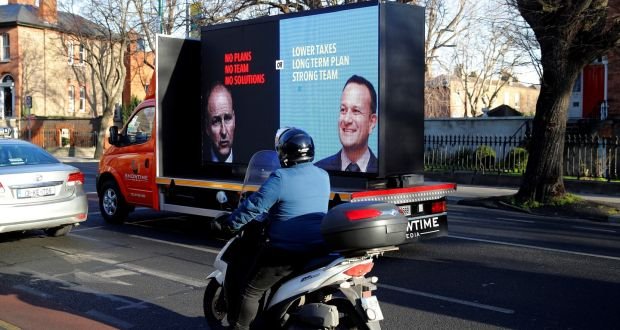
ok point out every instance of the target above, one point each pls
(214, 304)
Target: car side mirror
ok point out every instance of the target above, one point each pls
(113, 139)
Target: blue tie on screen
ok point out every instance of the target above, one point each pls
(352, 168)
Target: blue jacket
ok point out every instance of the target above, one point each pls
(296, 199)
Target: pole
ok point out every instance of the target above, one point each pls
(161, 16)
(186, 19)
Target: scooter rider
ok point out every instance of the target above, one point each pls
(295, 198)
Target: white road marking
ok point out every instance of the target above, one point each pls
(143, 270)
(97, 278)
(165, 275)
(448, 299)
(214, 251)
(516, 220)
(594, 229)
(135, 268)
(115, 273)
(535, 247)
(85, 229)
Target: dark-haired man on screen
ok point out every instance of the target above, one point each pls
(358, 117)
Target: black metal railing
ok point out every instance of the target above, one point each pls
(585, 157)
(57, 138)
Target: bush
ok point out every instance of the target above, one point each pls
(485, 157)
(463, 158)
(516, 159)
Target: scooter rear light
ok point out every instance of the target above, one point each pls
(359, 270)
(438, 207)
(360, 214)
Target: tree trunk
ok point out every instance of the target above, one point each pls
(543, 178)
(106, 121)
(571, 34)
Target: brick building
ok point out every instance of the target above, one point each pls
(41, 62)
(613, 71)
(445, 97)
(596, 94)
(140, 65)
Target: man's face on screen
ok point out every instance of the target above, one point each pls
(356, 119)
(221, 121)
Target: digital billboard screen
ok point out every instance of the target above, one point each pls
(292, 72)
(352, 76)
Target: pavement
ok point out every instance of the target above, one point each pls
(601, 192)
(17, 313)
(473, 191)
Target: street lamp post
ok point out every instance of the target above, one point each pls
(161, 16)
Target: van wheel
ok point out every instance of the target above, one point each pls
(58, 231)
(112, 204)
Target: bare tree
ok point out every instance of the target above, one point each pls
(151, 19)
(102, 29)
(571, 34)
(442, 27)
(517, 28)
(485, 62)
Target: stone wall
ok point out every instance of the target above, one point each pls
(489, 126)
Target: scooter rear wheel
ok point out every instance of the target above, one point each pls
(349, 317)
(214, 304)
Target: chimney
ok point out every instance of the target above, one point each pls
(48, 12)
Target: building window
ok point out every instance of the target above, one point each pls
(577, 85)
(6, 96)
(140, 44)
(82, 98)
(517, 101)
(5, 52)
(82, 54)
(71, 99)
(70, 52)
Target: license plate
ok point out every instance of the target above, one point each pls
(420, 228)
(35, 192)
(372, 309)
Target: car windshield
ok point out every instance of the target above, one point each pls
(23, 154)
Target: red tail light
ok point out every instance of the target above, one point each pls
(359, 270)
(438, 207)
(75, 178)
(354, 215)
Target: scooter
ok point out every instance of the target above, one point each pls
(331, 292)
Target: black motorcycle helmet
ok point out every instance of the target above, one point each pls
(294, 146)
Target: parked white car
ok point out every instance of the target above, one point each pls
(37, 191)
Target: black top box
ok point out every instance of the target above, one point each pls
(353, 228)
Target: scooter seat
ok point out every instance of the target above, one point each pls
(319, 262)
